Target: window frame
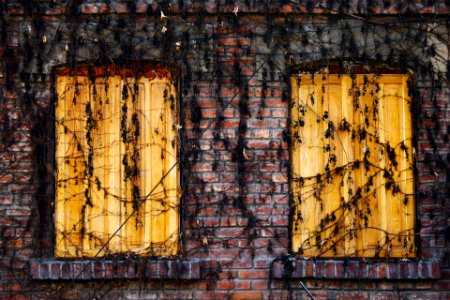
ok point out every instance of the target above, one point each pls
(337, 68)
(144, 69)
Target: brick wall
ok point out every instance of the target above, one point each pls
(235, 70)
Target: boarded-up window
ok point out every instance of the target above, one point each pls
(117, 181)
(352, 166)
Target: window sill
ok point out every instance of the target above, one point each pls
(85, 269)
(356, 269)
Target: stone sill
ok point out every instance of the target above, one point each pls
(52, 269)
(356, 269)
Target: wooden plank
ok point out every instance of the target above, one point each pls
(137, 223)
(95, 222)
(399, 211)
(391, 110)
(381, 184)
(132, 229)
(71, 183)
(372, 203)
(294, 131)
(79, 147)
(162, 205)
(407, 175)
(310, 164)
(146, 152)
(113, 176)
(157, 146)
(348, 157)
(172, 166)
(331, 193)
(61, 168)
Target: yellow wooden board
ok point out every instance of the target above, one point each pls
(117, 164)
(351, 154)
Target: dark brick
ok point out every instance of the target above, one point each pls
(363, 270)
(278, 269)
(168, 269)
(109, 269)
(424, 270)
(309, 268)
(141, 266)
(435, 270)
(413, 270)
(404, 270)
(98, 270)
(87, 270)
(299, 269)
(394, 271)
(76, 270)
(34, 269)
(152, 270)
(339, 269)
(55, 270)
(66, 270)
(373, 271)
(383, 270)
(321, 270)
(130, 269)
(330, 269)
(119, 269)
(184, 270)
(195, 270)
(353, 269)
(44, 271)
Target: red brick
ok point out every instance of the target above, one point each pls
(240, 264)
(249, 295)
(386, 296)
(279, 113)
(308, 268)
(261, 124)
(201, 167)
(6, 200)
(339, 269)
(276, 103)
(382, 270)
(97, 270)
(233, 41)
(443, 285)
(209, 113)
(89, 8)
(271, 92)
(228, 123)
(210, 295)
(224, 285)
(253, 274)
(6, 178)
(109, 269)
(279, 177)
(435, 270)
(13, 287)
(55, 271)
(353, 296)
